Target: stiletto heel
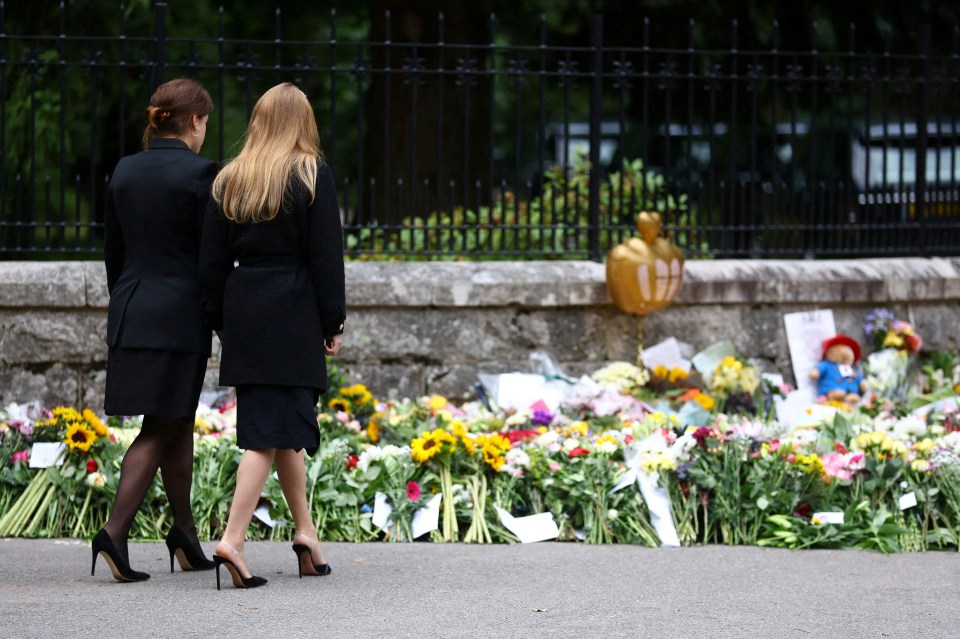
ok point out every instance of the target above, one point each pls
(305, 558)
(103, 545)
(180, 547)
(239, 581)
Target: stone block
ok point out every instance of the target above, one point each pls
(55, 386)
(93, 386)
(45, 336)
(95, 276)
(387, 381)
(41, 285)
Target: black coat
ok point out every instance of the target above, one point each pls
(154, 214)
(286, 293)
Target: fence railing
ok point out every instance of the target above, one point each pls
(447, 150)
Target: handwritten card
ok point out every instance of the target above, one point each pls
(806, 332)
(666, 353)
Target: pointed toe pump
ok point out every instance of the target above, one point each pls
(239, 581)
(305, 565)
(180, 547)
(103, 545)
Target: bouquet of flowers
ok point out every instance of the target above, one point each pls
(888, 371)
(734, 381)
(886, 331)
(52, 496)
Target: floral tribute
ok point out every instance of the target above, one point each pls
(883, 476)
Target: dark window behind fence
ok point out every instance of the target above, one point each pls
(486, 150)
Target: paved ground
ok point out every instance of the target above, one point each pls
(541, 590)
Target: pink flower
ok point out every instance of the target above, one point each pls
(20, 456)
(413, 491)
(554, 467)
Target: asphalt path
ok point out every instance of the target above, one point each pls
(423, 590)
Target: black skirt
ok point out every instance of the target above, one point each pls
(283, 417)
(153, 382)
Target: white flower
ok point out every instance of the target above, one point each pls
(517, 458)
(570, 443)
(519, 418)
(612, 514)
(96, 480)
(910, 427)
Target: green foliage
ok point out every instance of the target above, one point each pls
(553, 223)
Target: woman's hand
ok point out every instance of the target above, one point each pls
(332, 344)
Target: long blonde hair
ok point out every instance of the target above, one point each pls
(281, 140)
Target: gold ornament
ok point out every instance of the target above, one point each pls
(644, 275)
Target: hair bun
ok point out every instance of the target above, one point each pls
(158, 116)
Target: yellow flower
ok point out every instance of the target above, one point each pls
(79, 437)
(430, 444)
(579, 428)
(920, 465)
(894, 340)
(677, 374)
(98, 427)
(705, 401)
(492, 447)
(661, 371)
(67, 414)
(437, 402)
(924, 446)
(459, 431)
(339, 404)
(373, 429)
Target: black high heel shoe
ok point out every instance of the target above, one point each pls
(239, 581)
(179, 545)
(305, 559)
(103, 545)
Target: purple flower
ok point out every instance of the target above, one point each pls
(877, 320)
(541, 417)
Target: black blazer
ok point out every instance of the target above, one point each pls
(153, 221)
(287, 292)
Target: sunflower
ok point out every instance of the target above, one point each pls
(459, 431)
(94, 421)
(432, 443)
(423, 448)
(67, 414)
(339, 404)
(358, 393)
(79, 437)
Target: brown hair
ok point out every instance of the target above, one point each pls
(171, 107)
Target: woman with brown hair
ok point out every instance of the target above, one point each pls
(157, 337)
(281, 310)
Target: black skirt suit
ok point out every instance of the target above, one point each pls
(158, 339)
(285, 294)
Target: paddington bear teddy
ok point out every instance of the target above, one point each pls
(839, 377)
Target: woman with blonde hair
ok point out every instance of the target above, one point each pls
(274, 212)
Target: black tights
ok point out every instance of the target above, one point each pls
(165, 444)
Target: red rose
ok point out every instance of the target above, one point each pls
(840, 448)
(352, 461)
(92, 465)
(579, 451)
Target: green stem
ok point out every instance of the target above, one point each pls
(83, 511)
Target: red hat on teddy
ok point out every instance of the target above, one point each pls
(845, 340)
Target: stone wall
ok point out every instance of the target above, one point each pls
(414, 328)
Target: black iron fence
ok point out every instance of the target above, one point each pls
(488, 150)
